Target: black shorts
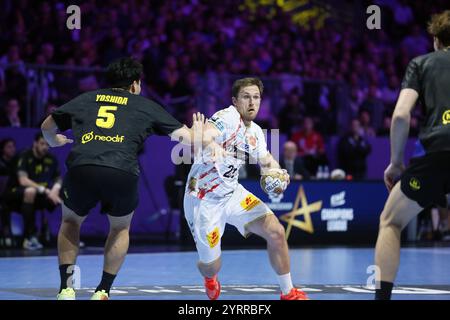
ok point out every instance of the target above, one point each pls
(427, 179)
(13, 199)
(85, 186)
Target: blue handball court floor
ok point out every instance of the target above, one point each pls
(333, 273)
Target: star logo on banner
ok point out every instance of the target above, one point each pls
(305, 210)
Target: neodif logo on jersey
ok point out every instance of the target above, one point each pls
(88, 137)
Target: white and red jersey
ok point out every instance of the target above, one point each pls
(216, 180)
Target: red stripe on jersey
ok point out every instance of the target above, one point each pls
(203, 192)
(213, 169)
(233, 136)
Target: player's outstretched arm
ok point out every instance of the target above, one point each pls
(201, 135)
(193, 135)
(49, 131)
(399, 135)
(267, 163)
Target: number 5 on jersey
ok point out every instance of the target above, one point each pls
(106, 117)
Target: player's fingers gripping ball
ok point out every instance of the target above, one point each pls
(274, 181)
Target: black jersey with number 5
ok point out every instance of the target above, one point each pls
(429, 75)
(110, 126)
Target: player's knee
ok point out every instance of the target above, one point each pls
(70, 225)
(276, 233)
(29, 194)
(387, 220)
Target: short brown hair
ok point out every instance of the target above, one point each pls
(246, 82)
(439, 27)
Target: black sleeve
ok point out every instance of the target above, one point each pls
(63, 114)
(411, 78)
(163, 122)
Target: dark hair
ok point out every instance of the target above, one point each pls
(439, 27)
(4, 142)
(38, 136)
(246, 82)
(122, 72)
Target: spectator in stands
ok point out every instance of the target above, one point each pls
(353, 150)
(389, 93)
(291, 115)
(293, 163)
(416, 43)
(202, 38)
(10, 116)
(66, 82)
(35, 186)
(374, 105)
(365, 121)
(311, 146)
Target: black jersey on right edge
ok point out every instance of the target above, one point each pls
(429, 75)
(110, 126)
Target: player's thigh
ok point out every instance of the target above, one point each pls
(119, 194)
(80, 190)
(206, 221)
(245, 209)
(399, 210)
(421, 185)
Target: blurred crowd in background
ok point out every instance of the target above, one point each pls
(325, 73)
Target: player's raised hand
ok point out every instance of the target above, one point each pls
(198, 127)
(198, 120)
(392, 175)
(61, 140)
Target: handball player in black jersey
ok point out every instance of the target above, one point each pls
(109, 128)
(426, 180)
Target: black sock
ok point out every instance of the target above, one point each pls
(106, 283)
(65, 275)
(27, 210)
(384, 293)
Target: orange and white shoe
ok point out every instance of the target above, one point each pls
(294, 294)
(212, 286)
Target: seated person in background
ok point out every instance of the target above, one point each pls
(293, 163)
(35, 186)
(353, 150)
(10, 116)
(365, 121)
(311, 146)
(7, 168)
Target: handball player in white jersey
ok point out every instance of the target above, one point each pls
(214, 196)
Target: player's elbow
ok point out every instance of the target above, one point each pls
(48, 124)
(401, 116)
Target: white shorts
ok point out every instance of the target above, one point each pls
(207, 219)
